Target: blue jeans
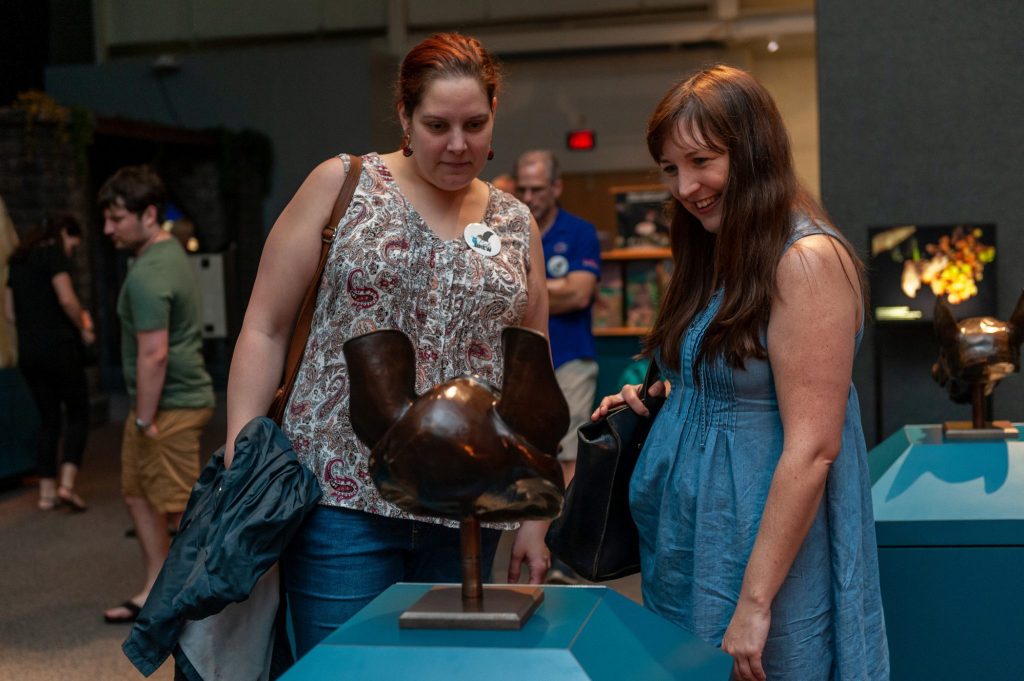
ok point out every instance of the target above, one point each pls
(341, 559)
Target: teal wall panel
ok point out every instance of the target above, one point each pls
(18, 422)
(614, 355)
(953, 612)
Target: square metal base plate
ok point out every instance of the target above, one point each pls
(993, 430)
(502, 607)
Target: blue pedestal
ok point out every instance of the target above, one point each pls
(18, 422)
(950, 523)
(577, 633)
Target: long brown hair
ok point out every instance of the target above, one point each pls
(46, 233)
(733, 113)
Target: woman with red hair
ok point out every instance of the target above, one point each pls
(425, 247)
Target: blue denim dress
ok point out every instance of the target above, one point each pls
(697, 496)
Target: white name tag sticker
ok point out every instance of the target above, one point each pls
(482, 239)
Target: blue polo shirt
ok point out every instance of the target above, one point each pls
(570, 245)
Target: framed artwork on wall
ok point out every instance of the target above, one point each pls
(640, 213)
(910, 265)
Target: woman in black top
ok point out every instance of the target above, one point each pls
(52, 328)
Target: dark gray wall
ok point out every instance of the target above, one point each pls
(313, 100)
(921, 105)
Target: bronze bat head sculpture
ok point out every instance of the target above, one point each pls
(462, 448)
(977, 350)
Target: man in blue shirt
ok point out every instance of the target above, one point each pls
(572, 259)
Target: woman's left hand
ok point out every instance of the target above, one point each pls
(529, 546)
(745, 639)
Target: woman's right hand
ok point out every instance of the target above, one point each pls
(630, 394)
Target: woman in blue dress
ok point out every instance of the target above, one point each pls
(752, 492)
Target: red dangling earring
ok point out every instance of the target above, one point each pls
(406, 149)
(490, 154)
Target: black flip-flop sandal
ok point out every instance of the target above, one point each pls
(68, 497)
(133, 609)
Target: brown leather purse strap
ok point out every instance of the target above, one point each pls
(300, 334)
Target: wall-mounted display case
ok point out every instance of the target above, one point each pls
(634, 273)
(630, 290)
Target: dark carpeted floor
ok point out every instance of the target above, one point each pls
(59, 570)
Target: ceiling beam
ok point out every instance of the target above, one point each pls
(742, 28)
(726, 9)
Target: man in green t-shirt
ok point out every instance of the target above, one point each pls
(161, 353)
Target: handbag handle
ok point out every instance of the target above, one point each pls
(300, 334)
(653, 374)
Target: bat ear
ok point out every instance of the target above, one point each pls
(1016, 322)
(945, 326)
(531, 402)
(382, 381)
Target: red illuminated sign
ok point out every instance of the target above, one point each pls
(580, 140)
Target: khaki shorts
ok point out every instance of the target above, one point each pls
(163, 469)
(578, 380)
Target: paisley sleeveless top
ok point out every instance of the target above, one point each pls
(388, 270)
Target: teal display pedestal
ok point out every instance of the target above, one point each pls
(950, 523)
(614, 355)
(18, 422)
(577, 633)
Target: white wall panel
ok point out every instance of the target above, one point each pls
(209, 273)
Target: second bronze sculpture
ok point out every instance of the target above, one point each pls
(462, 450)
(974, 355)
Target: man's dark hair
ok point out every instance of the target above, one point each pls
(136, 188)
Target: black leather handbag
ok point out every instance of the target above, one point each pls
(595, 534)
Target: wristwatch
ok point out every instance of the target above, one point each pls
(142, 425)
